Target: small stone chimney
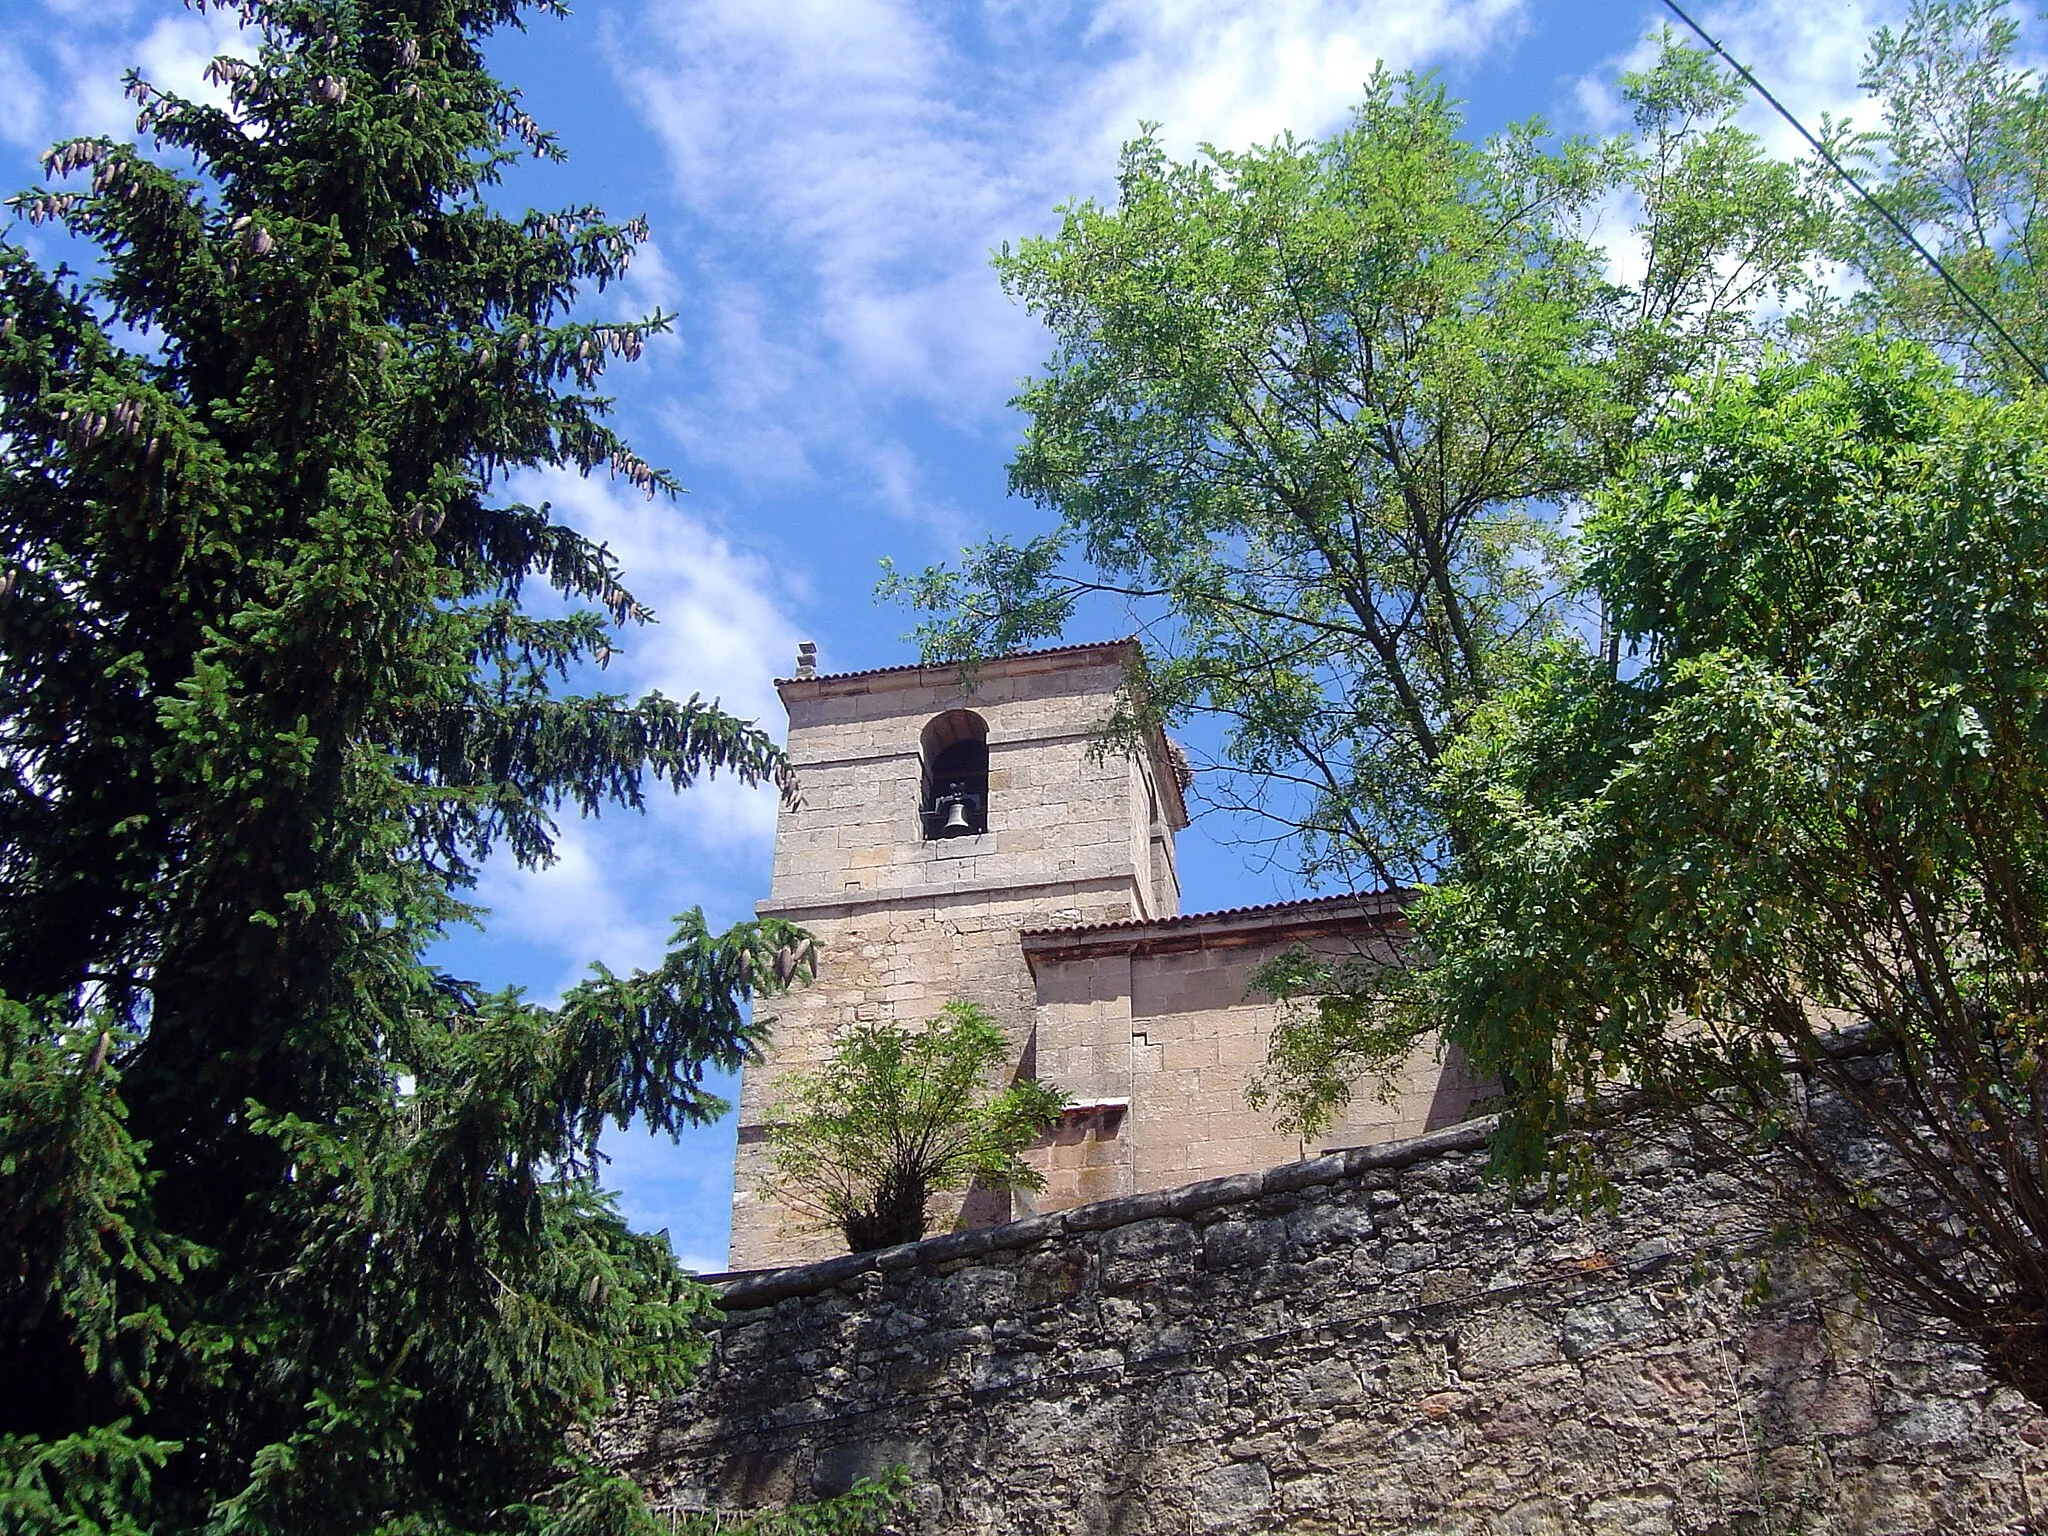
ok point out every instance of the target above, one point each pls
(807, 658)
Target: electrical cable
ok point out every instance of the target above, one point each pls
(1861, 191)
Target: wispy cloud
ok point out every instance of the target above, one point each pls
(1244, 71)
(723, 631)
(61, 71)
(1808, 56)
(22, 98)
(851, 164)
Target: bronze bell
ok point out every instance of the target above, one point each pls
(956, 820)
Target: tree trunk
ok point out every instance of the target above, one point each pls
(896, 1216)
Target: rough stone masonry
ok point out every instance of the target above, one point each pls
(1371, 1341)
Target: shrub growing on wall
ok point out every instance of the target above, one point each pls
(895, 1116)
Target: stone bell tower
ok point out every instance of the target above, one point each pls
(940, 817)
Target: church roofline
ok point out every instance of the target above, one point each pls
(903, 676)
(1229, 927)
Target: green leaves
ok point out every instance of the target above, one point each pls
(1725, 231)
(1960, 155)
(1318, 406)
(864, 1508)
(894, 1116)
(617, 1048)
(1788, 879)
(91, 1482)
(85, 1257)
(1343, 1021)
(1323, 410)
(302, 1234)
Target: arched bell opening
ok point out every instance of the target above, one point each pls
(953, 801)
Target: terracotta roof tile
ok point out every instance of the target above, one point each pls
(1383, 900)
(921, 666)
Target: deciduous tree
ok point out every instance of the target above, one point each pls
(1315, 408)
(1959, 153)
(1318, 410)
(1789, 881)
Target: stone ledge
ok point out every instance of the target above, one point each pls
(908, 898)
(745, 1293)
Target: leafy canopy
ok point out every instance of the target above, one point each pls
(1959, 153)
(298, 1233)
(1791, 878)
(1770, 856)
(894, 1116)
(1314, 407)
(1317, 410)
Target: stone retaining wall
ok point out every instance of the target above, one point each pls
(1373, 1341)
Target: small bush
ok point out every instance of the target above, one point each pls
(897, 1115)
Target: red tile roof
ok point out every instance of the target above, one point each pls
(1383, 901)
(921, 666)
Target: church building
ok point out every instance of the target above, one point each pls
(965, 836)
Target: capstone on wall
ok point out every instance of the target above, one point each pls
(1373, 1341)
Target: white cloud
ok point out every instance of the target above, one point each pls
(720, 629)
(172, 56)
(582, 908)
(684, 1185)
(833, 138)
(853, 164)
(1241, 72)
(21, 100)
(723, 633)
(762, 390)
(1809, 57)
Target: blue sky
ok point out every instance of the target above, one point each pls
(825, 179)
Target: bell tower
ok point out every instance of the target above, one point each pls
(940, 815)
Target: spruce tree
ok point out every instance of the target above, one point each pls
(298, 1232)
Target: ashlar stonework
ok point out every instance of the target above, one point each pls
(1372, 1341)
(1055, 907)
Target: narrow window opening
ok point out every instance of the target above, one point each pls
(954, 798)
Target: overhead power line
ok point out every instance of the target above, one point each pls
(1861, 191)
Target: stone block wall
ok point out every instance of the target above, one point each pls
(1058, 811)
(900, 962)
(1372, 1341)
(907, 923)
(1163, 1019)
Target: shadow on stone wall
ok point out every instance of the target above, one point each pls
(1372, 1341)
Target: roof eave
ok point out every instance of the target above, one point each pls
(912, 674)
(1232, 927)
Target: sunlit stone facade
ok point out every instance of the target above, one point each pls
(1056, 908)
